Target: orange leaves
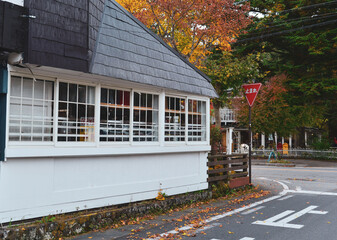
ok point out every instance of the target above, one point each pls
(160, 196)
(192, 26)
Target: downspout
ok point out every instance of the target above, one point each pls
(3, 110)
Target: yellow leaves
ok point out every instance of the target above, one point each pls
(160, 196)
(191, 26)
(229, 232)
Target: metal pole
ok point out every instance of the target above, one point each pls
(250, 144)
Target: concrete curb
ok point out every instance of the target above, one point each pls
(276, 164)
(77, 223)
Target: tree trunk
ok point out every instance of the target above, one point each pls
(217, 115)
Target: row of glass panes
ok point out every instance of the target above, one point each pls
(32, 107)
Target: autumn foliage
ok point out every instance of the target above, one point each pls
(192, 27)
(271, 112)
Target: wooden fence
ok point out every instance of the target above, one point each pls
(226, 167)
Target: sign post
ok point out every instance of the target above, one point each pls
(251, 91)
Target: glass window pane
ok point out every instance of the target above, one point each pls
(118, 116)
(73, 92)
(82, 92)
(72, 112)
(16, 86)
(63, 110)
(136, 99)
(104, 95)
(91, 95)
(104, 114)
(175, 119)
(81, 115)
(149, 100)
(143, 100)
(119, 97)
(63, 91)
(38, 89)
(146, 118)
(126, 98)
(27, 88)
(112, 113)
(49, 90)
(155, 104)
(112, 96)
(90, 113)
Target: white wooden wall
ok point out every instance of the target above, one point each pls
(35, 187)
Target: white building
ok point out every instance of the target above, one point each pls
(102, 112)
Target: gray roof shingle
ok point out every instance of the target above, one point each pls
(127, 50)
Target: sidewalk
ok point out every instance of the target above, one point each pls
(298, 163)
(194, 216)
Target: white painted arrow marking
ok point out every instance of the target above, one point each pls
(285, 222)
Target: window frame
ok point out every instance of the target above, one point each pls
(207, 121)
(9, 95)
(161, 96)
(186, 120)
(159, 127)
(56, 107)
(114, 143)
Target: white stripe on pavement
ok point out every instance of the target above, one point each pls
(188, 227)
(252, 210)
(286, 197)
(313, 192)
(281, 194)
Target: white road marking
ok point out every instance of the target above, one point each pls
(281, 194)
(285, 187)
(245, 238)
(313, 192)
(252, 210)
(286, 197)
(298, 188)
(207, 227)
(188, 227)
(318, 212)
(285, 222)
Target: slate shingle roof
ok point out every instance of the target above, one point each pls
(127, 50)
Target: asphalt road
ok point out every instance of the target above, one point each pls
(302, 206)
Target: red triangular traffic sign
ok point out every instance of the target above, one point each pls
(251, 91)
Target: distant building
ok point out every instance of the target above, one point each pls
(235, 135)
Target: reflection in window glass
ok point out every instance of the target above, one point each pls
(76, 118)
(175, 119)
(145, 120)
(196, 120)
(115, 115)
(31, 110)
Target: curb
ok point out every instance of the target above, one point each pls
(58, 227)
(276, 164)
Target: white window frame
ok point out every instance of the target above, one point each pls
(159, 127)
(105, 146)
(70, 144)
(207, 121)
(114, 143)
(186, 121)
(27, 143)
